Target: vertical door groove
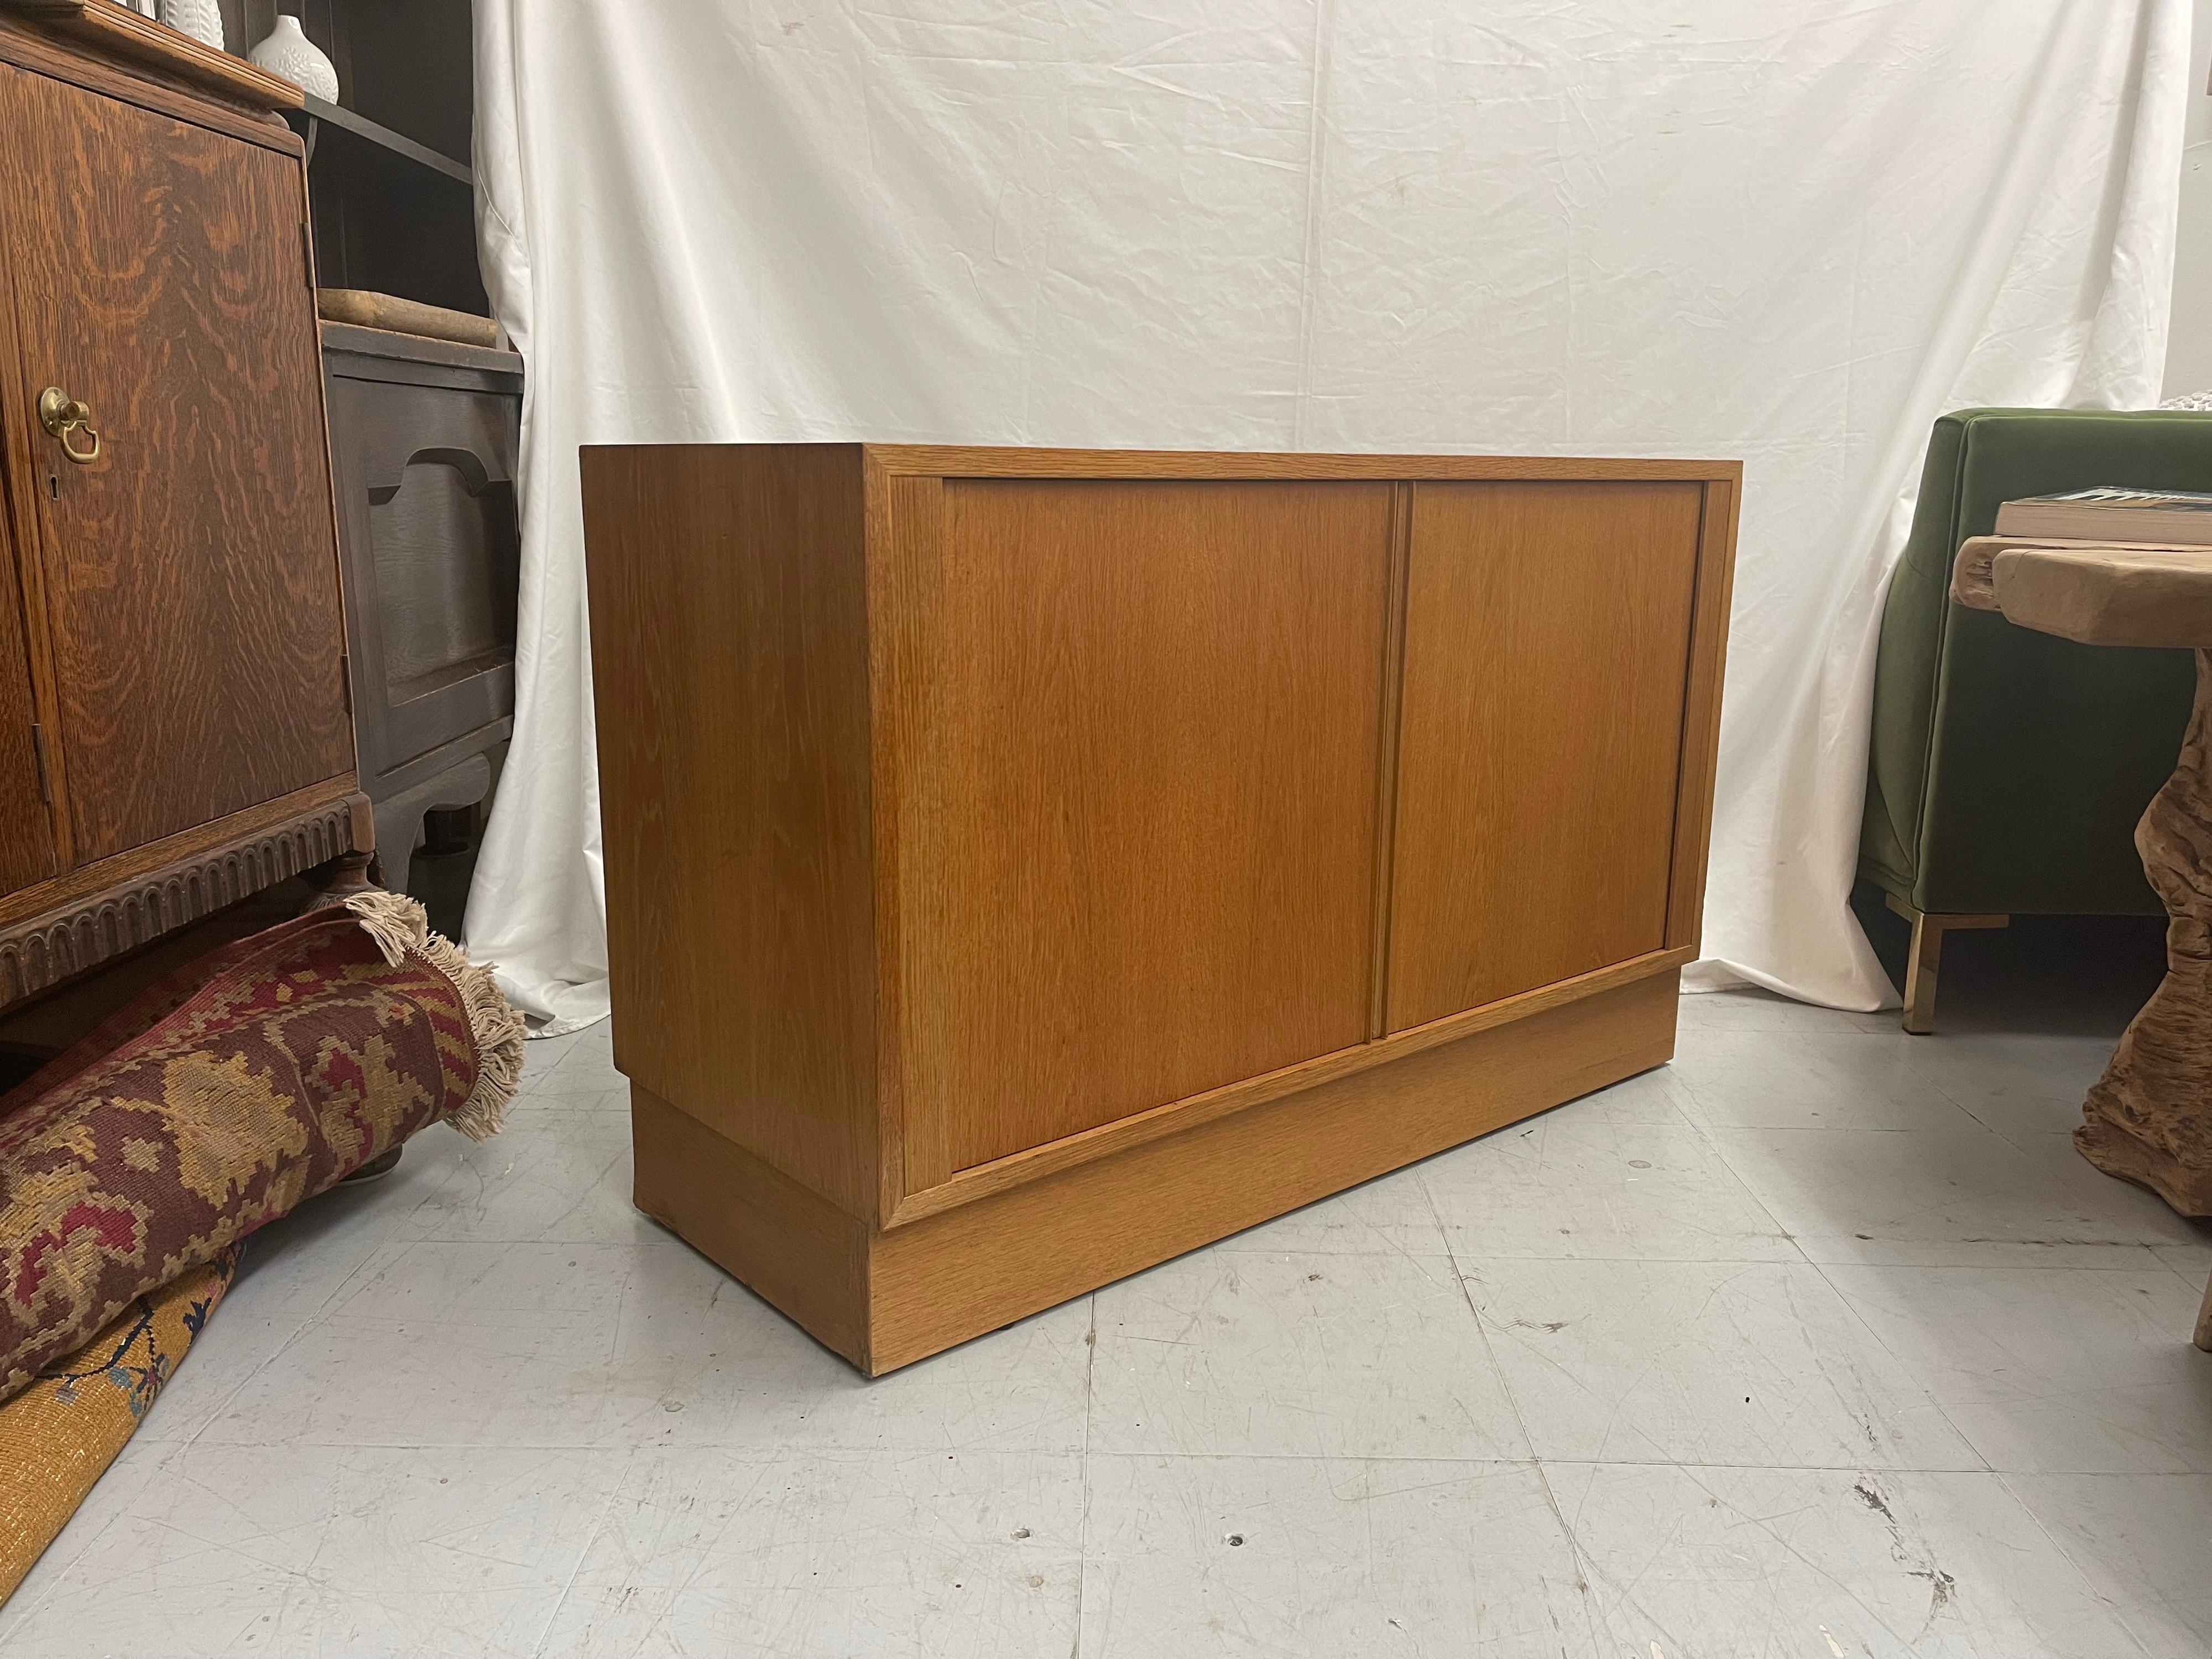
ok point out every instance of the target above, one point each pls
(1386, 765)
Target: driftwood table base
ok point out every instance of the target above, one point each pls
(2149, 1120)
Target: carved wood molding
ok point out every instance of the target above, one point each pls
(49, 948)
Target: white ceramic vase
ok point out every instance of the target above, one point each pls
(288, 52)
(201, 19)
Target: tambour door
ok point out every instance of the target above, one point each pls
(1548, 639)
(159, 276)
(1137, 732)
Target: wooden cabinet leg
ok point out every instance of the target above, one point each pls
(398, 833)
(339, 879)
(1920, 967)
(2204, 1320)
(399, 816)
(1925, 956)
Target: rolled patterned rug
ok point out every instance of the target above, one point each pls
(133, 1165)
(58, 1436)
(224, 1095)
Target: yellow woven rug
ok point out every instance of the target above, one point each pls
(59, 1435)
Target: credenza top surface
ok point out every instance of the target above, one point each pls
(985, 461)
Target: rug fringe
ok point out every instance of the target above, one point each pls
(400, 928)
(499, 1032)
(396, 922)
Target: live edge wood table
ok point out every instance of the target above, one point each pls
(2149, 1119)
(2151, 1113)
(1024, 865)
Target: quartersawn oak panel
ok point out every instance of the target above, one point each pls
(729, 648)
(27, 830)
(1547, 637)
(192, 573)
(1138, 748)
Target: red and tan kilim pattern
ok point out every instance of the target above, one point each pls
(235, 1095)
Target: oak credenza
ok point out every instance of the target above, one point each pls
(1024, 866)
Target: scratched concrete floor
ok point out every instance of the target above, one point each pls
(1821, 1341)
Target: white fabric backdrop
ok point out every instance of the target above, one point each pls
(1781, 230)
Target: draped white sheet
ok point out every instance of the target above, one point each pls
(1782, 230)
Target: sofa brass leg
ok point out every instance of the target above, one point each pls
(1925, 956)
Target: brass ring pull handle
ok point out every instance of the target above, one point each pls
(61, 415)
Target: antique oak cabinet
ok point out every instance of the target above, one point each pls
(1024, 866)
(174, 731)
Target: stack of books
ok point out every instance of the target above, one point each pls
(2150, 520)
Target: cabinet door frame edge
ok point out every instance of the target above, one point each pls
(28, 531)
(1709, 606)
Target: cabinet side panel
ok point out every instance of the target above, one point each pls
(1546, 648)
(729, 652)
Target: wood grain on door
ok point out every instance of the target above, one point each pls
(159, 275)
(1546, 650)
(1141, 730)
(27, 833)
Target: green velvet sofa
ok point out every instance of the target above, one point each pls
(2007, 767)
